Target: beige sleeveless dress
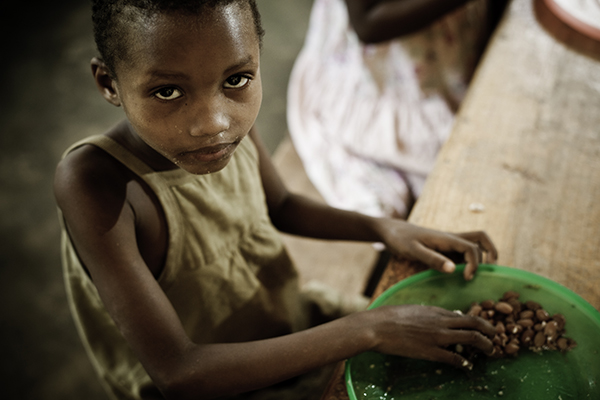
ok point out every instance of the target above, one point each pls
(227, 272)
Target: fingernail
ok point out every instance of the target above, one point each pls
(449, 266)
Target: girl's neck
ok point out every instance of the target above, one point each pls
(127, 137)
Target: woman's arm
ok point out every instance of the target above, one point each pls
(380, 20)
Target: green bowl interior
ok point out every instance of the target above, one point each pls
(530, 376)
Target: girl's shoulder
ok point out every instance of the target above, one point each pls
(90, 184)
(91, 168)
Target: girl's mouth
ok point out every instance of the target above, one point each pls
(210, 153)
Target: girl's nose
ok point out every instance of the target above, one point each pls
(210, 118)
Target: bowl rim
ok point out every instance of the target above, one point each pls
(577, 300)
(513, 272)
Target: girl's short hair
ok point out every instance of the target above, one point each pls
(112, 17)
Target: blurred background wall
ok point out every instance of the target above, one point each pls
(49, 101)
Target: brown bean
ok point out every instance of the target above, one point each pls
(513, 328)
(542, 315)
(532, 305)
(539, 326)
(525, 323)
(560, 320)
(517, 329)
(511, 294)
(527, 314)
(551, 328)
(516, 305)
(503, 307)
(511, 348)
(562, 343)
(487, 304)
(475, 310)
(539, 339)
(527, 336)
(500, 328)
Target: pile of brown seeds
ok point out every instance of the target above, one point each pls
(522, 325)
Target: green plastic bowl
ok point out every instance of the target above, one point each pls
(573, 375)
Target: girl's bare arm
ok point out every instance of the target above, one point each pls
(296, 214)
(381, 20)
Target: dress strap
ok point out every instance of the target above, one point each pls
(116, 150)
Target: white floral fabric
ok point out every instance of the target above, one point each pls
(368, 120)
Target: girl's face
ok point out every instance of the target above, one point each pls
(190, 86)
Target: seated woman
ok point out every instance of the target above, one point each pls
(374, 91)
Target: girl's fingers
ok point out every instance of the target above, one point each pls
(473, 338)
(472, 323)
(439, 262)
(433, 259)
(484, 242)
(469, 330)
(472, 258)
(470, 250)
(449, 357)
(470, 246)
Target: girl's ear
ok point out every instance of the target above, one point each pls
(104, 82)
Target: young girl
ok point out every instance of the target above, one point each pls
(176, 275)
(372, 95)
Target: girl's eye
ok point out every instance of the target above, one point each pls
(168, 93)
(236, 82)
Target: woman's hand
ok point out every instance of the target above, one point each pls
(429, 246)
(428, 333)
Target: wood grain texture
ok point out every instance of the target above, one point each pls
(523, 160)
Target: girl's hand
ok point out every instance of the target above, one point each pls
(428, 333)
(427, 245)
